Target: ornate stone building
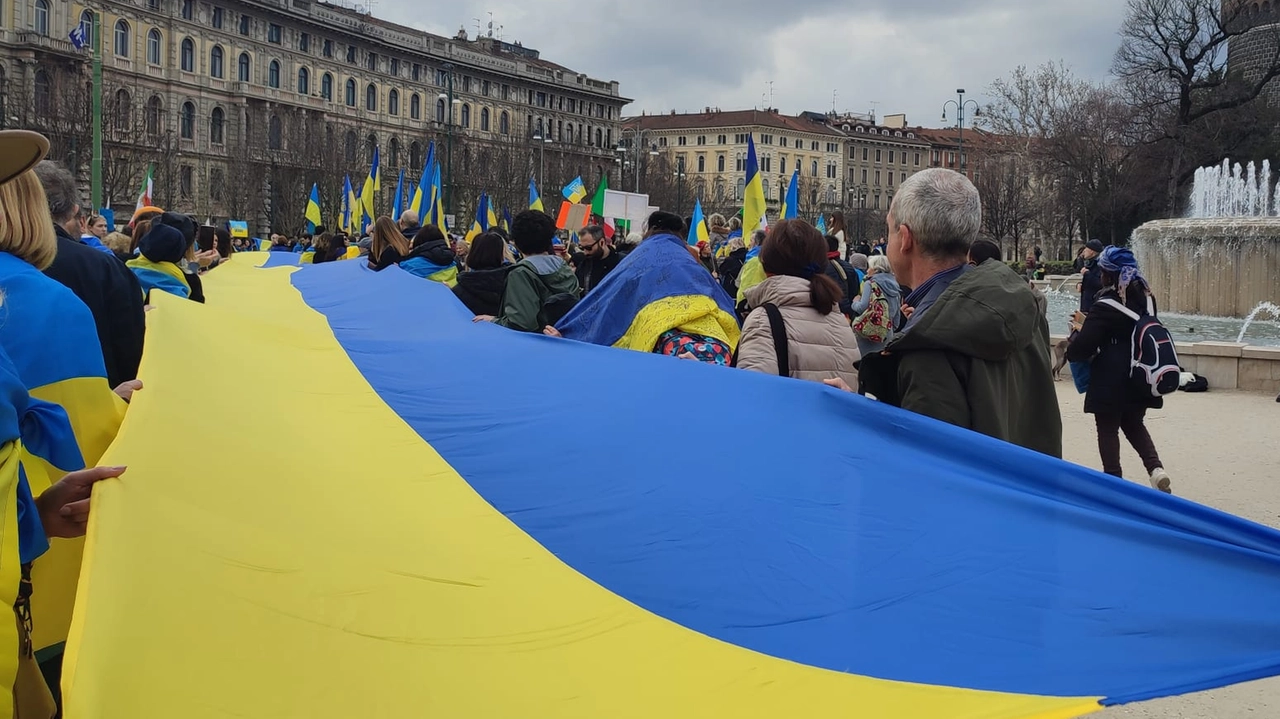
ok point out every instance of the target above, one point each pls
(704, 155)
(240, 105)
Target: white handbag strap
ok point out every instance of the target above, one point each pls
(1128, 312)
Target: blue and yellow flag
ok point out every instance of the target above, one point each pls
(575, 191)
(791, 203)
(348, 217)
(983, 580)
(506, 220)
(492, 214)
(753, 208)
(698, 229)
(483, 220)
(535, 200)
(436, 211)
(397, 205)
(314, 218)
(421, 202)
(372, 183)
(658, 287)
(52, 339)
(822, 224)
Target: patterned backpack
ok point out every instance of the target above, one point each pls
(875, 325)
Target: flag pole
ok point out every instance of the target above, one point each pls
(95, 165)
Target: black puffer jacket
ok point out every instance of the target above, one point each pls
(436, 252)
(1106, 342)
(481, 290)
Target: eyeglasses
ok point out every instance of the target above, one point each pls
(587, 248)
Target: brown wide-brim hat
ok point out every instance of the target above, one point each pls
(20, 150)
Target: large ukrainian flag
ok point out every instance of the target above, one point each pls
(53, 342)
(449, 558)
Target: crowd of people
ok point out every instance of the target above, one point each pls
(930, 319)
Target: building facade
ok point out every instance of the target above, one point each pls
(240, 105)
(703, 156)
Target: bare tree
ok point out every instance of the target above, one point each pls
(1173, 61)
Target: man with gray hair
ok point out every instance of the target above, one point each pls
(974, 351)
(102, 282)
(409, 223)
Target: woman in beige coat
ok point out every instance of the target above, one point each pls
(819, 342)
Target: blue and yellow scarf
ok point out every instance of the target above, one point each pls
(163, 276)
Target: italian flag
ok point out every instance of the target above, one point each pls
(144, 195)
(597, 207)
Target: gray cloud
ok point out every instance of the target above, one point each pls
(903, 55)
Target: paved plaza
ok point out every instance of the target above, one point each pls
(1221, 450)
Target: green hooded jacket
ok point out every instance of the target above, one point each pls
(530, 283)
(979, 359)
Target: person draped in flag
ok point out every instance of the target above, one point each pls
(659, 299)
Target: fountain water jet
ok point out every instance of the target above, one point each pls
(1223, 260)
(1267, 307)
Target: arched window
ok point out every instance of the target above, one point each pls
(243, 71)
(349, 146)
(326, 87)
(155, 112)
(370, 146)
(371, 98)
(123, 114)
(393, 154)
(273, 74)
(43, 93)
(742, 184)
(42, 17)
(153, 47)
(188, 55)
(440, 110)
(504, 124)
(304, 81)
(122, 38)
(217, 124)
(466, 115)
(215, 62)
(86, 26)
(187, 121)
(351, 93)
(484, 119)
(702, 163)
(275, 141)
(415, 156)
(720, 168)
(393, 102)
(415, 106)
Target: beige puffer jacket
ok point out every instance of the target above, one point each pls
(820, 346)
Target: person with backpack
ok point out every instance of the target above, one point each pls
(1121, 389)
(795, 328)
(732, 264)
(541, 288)
(846, 277)
(876, 311)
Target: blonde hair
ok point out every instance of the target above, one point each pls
(119, 242)
(880, 263)
(26, 229)
(716, 220)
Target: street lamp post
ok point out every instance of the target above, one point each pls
(542, 151)
(448, 170)
(961, 104)
(637, 141)
(680, 189)
(860, 201)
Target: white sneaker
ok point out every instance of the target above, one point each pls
(1160, 480)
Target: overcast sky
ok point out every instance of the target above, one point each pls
(903, 55)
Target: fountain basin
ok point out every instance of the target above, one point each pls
(1221, 267)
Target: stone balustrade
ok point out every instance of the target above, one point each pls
(1230, 365)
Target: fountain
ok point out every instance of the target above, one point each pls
(1267, 307)
(1224, 259)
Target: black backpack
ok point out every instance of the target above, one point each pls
(554, 306)
(777, 328)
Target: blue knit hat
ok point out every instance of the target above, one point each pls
(163, 243)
